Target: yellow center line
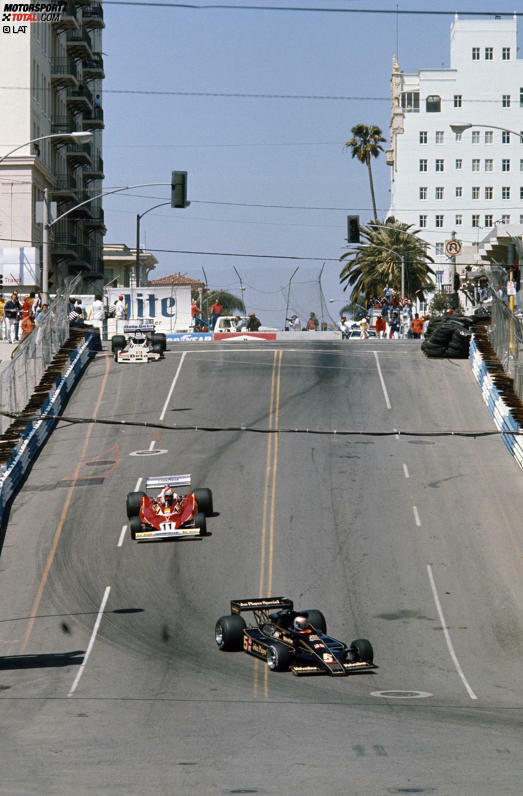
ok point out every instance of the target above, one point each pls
(269, 507)
(54, 545)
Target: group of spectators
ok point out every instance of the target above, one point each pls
(250, 324)
(394, 317)
(19, 318)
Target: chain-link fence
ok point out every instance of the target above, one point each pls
(506, 337)
(33, 355)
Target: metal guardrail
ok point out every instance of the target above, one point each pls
(506, 337)
(33, 355)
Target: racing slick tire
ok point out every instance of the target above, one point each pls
(157, 349)
(278, 657)
(317, 620)
(134, 501)
(159, 339)
(200, 521)
(204, 499)
(135, 525)
(361, 650)
(118, 341)
(228, 632)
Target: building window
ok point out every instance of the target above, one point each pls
(505, 137)
(440, 136)
(475, 53)
(475, 220)
(423, 164)
(505, 54)
(433, 103)
(458, 100)
(439, 221)
(423, 136)
(475, 164)
(521, 219)
(521, 164)
(521, 97)
(475, 192)
(459, 191)
(505, 101)
(505, 164)
(439, 192)
(489, 137)
(521, 191)
(459, 163)
(505, 192)
(423, 221)
(488, 221)
(475, 136)
(489, 52)
(439, 249)
(458, 137)
(489, 164)
(423, 192)
(488, 192)
(459, 220)
(440, 165)
(410, 101)
(505, 219)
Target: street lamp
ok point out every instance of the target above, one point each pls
(79, 137)
(460, 128)
(138, 219)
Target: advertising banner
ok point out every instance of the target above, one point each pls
(169, 308)
(19, 266)
(194, 337)
(244, 336)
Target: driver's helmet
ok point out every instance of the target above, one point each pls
(300, 623)
(138, 338)
(169, 497)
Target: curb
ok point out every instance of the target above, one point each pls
(36, 432)
(499, 411)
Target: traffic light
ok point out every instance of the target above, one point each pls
(353, 229)
(457, 282)
(517, 278)
(179, 189)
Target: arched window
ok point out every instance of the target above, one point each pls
(433, 103)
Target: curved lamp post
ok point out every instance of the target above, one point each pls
(79, 137)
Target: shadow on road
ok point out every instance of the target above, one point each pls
(42, 661)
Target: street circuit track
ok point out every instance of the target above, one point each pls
(110, 677)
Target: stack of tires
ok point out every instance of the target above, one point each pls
(448, 337)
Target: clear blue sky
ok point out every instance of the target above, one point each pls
(265, 151)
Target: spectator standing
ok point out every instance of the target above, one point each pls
(381, 326)
(313, 323)
(417, 326)
(27, 324)
(364, 324)
(37, 304)
(12, 311)
(295, 324)
(2, 318)
(394, 329)
(120, 310)
(216, 311)
(97, 309)
(27, 306)
(195, 310)
(344, 327)
(254, 323)
(80, 308)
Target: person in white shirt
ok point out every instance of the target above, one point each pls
(119, 309)
(97, 309)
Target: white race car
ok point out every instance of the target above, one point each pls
(138, 343)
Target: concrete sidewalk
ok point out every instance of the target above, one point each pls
(6, 349)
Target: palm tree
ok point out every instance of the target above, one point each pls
(365, 144)
(228, 301)
(376, 262)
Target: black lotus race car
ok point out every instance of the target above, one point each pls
(273, 637)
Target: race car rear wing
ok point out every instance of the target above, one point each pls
(161, 481)
(260, 604)
(129, 328)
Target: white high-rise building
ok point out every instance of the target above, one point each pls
(464, 182)
(52, 76)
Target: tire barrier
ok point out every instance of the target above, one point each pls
(450, 336)
(506, 418)
(33, 436)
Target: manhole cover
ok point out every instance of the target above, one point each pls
(158, 452)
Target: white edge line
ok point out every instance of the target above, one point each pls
(406, 471)
(453, 655)
(166, 404)
(416, 515)
(91, 641)
(122, 535)
(385, 393)
(138, 483)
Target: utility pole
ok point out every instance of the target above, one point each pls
(45, 249)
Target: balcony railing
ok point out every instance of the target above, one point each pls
(63, 124)
(79, 43)
(95, 119)
(93, 17)
(94, 68)
(64, 72)
(80, 99)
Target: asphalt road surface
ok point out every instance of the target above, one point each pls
(110, 679)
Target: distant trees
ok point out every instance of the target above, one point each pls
(366, 144)
(229, 302)
(376, 262)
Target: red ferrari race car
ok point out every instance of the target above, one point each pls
(169, 515)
